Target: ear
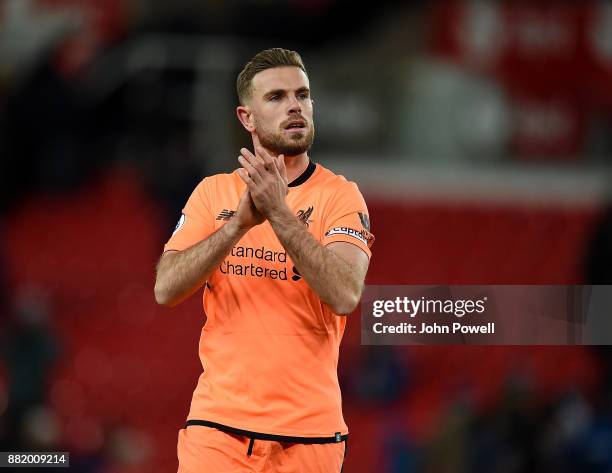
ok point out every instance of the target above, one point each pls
(245, 117)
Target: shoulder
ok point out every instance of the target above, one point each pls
(218, 182)
(339, 195)
(335, 183)
(212, 189)
(220, 179)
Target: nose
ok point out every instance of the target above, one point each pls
(294, 105)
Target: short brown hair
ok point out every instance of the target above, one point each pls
(266, 59)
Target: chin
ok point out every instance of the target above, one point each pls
(292, 145)
(293, 149)
(298, 145)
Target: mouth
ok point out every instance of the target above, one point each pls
(295, 125)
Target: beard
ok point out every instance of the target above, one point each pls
(288, 144)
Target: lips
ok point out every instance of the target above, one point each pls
(295, 125)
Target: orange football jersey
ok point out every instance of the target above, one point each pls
(269, 347)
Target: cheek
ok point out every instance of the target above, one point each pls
(307, 111)
(267, 119)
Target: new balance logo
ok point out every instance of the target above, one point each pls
(304, 215)
(226, 214)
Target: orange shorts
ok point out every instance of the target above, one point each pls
(208, 450)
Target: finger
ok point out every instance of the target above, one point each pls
(278, 164)
(261, 152)
(245, 195)
(249, 169)
(256, 161)
(250, 185)
(252, 158)
(255, 138)
(245, 177)
(282, 169)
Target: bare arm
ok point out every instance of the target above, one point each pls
(181, 273)
(335, 272)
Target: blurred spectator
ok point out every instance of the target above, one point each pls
(447, 452)
(29, 349)
(379, 376)
(399, 452)
(127, 446)
(39, 430)
(45, 135)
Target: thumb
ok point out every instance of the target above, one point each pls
(244, 197)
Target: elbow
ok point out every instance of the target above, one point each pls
(347, 304)
(162, 296)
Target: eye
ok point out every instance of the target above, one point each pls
(303, 96)
(274, 98)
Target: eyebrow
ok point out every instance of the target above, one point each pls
(283, 91)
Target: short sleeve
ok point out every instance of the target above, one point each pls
(347, 219)
(196, 222)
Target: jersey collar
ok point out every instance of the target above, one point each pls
(302, 178)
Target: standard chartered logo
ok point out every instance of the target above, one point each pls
(263, 263)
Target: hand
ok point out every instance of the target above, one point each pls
(247, 215)
(266, 179)
(279, 160)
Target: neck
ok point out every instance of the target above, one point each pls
(296, 165)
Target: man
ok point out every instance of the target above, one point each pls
(282, 248)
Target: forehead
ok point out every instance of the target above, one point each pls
(285, 78)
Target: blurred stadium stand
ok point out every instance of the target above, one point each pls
(479, 132)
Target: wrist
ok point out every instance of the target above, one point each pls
(279, 213)
(235, 229)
